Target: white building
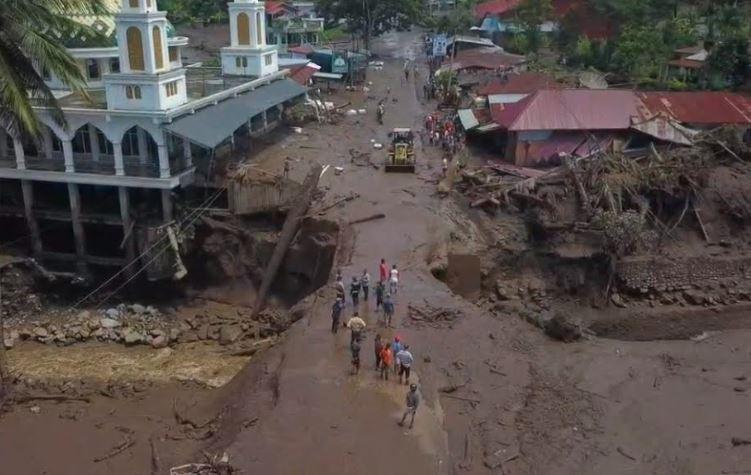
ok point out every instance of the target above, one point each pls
(146, 127)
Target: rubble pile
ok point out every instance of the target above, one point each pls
(145, 325)
(432, 316)
(624, 194)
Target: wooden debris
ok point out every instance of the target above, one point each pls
(369, 218)
(50, 397)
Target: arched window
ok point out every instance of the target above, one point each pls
(243, 29)
(135, 49)
(137, 92)
(259, 28)
(156, 35)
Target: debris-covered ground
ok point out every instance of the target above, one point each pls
(583, 320)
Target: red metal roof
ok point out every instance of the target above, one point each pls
(701, 108)
(686, 63)
(274, 7)
(495, 7)
(522, 83)
(302, 74)
(505, 114)
(301, 49)
(576, 109)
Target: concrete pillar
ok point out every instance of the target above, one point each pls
(20, 155)
(79, 235)
(117, 149)
(28, 205)
(167, 212)
(3, 144)
(68, 156)
(188, 153)
(164, 171)
(143, 149)
(47, 142)
(128, 228)
(93, 142)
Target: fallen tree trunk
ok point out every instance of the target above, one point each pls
(297, 211)
(369, 218)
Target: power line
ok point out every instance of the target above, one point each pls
(203, 205)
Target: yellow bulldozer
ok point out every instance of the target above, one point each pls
(401, 152)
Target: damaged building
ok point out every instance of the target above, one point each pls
(529, 123)
(148, 132)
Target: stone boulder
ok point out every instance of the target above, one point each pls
(109, 323)
(229, 334)
(133, 337)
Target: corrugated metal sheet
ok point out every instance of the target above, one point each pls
(212, 125)
(549, 152)
(468, 119)
(261, 196)
(495, 7)
(576, 109)
(484, 58)
(522, 83)
(505, 98)
(666, 130)
(700, 108)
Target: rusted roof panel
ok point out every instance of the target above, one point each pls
(576, 109)
(701, 108)
(522, 83)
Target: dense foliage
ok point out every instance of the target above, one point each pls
(29, 44)
(370, 18)
(646, 33)
(194, 11)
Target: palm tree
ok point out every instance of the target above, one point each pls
(29, 45)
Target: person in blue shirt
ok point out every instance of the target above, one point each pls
(396, 347)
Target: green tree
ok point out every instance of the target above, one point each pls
(532, 14)
(371, 18)
(28, 45)
(729, 61)
(640, 53)
(194, 11)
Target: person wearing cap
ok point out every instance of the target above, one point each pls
(336, 314)
(405, 360)
(396, 347)
(413, 400)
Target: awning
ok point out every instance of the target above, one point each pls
(323, 75)
(212, 125)
(468, 119)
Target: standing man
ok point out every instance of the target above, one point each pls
(379, 291)
(336, 314)
(355, 349)
(405, 359)
(356, 326)
(365, 283)
(378, 348)
(354, 292)
(396, 347)
(383, 271)
(413, 400)
(339, 286)
(445, 166)
(388, 310)
(387, 359)
(394, 282)
(286, 169)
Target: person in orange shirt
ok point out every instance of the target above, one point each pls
(387, 360)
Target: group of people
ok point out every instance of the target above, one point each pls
(444, 134)
(389, 356)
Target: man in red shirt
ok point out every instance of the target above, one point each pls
(383, 271)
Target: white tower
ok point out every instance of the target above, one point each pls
(145, 81)
(248, 53)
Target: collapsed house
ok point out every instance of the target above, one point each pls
(148, 129)
(536, 129)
